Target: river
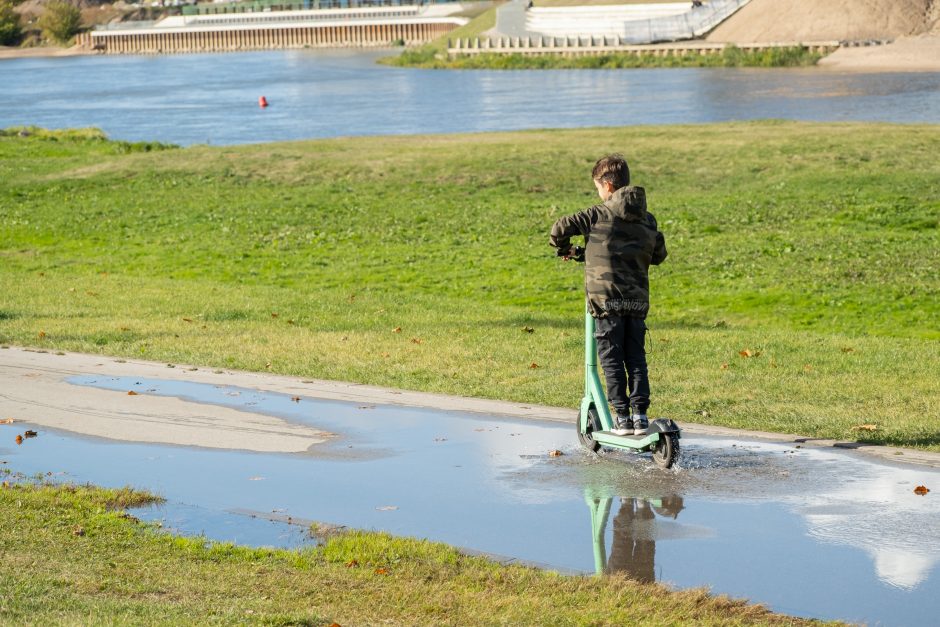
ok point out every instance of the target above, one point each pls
(213, 98)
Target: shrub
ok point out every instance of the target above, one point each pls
(60, 21)
(10, 31)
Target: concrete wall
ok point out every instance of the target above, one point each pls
(234, 38)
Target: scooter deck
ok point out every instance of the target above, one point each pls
(626, 441)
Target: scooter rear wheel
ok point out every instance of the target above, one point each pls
(666, 450)
(593, 423)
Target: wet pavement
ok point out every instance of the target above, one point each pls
(811, 532)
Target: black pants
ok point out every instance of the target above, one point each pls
(622, 354)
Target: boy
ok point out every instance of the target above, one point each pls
(620, 242)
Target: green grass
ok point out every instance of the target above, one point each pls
(427, 57)
(815, 244)
(70, 556)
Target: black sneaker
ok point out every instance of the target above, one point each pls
(624, 426)
(640, 425)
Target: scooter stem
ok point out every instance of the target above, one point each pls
(594, 393)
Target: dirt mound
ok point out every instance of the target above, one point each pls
(824, 20)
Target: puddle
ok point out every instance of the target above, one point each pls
(811, 532)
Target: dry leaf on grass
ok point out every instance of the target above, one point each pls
(381, 571)
(865, 428)
(533, 366)
(528, 329)
(749, 353)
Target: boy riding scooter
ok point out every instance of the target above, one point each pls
(621, 241)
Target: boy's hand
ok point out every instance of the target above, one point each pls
(575, 252)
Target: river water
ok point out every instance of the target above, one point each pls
(213, 98)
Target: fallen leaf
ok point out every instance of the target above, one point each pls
(528, 329)
(274, 315)
(865, 428)
(344, 338)
(386, 508)
(290, 322)
(268, 365)
(30, 434)
(555, 453)
(132, 393)
(416, 340)
(724, 366)
(749, 353)
(921, 490)
(187, 319)
(807, 368)
(533, 366)
(381, 571)
(702, 412)
(335, 625)
(396, 330)
(352, 564)
(41, 335)
(78, 531)
(296, 399)
(848, 349)
(19, 439)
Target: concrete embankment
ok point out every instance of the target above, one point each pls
(327, 28)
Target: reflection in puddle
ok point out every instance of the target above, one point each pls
(812, 532)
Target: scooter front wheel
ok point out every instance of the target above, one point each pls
(666, 450)
(586, 438)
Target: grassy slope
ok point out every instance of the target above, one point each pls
(816, 245)
(66, 558)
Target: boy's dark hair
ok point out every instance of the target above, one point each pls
(612, 169)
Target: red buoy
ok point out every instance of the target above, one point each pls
(262, 102)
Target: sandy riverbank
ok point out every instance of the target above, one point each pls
(14, 52)
(906, 54)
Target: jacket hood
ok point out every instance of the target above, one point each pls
(628, 202)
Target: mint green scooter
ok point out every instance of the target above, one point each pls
(595, 422)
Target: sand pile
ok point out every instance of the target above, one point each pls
(826, 20)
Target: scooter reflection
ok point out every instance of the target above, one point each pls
(633, 550)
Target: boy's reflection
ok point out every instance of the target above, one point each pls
(633, 549)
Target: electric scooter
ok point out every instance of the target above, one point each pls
(595, 422)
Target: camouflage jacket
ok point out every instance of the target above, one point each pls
(621, 241)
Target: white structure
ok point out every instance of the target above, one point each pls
(631, 23)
